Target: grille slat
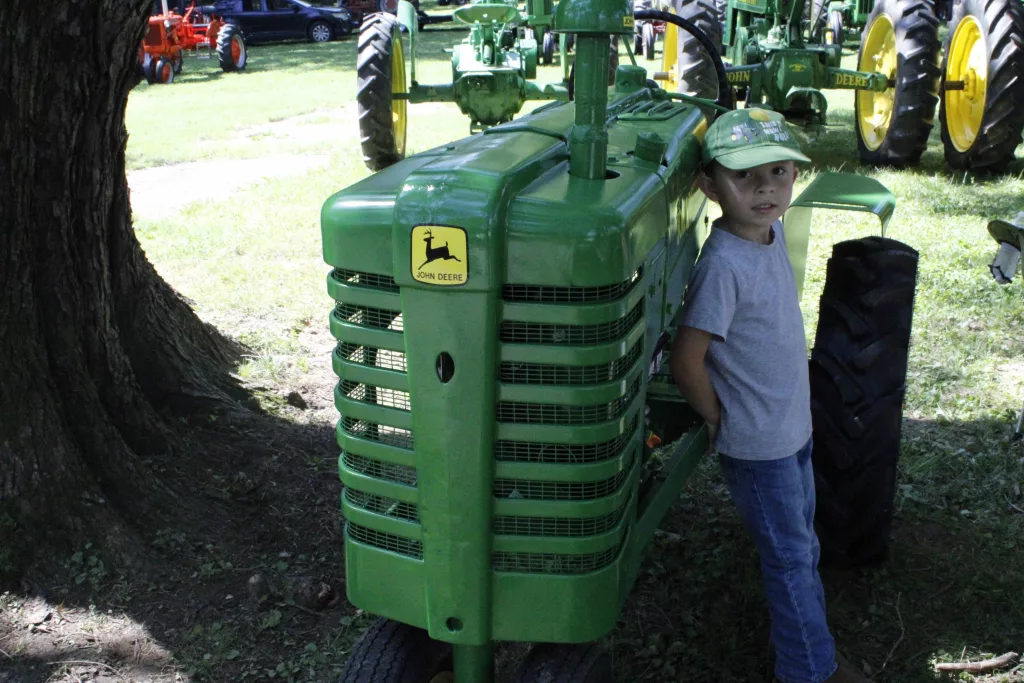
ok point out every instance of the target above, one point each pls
(568, 295)
(538, 373)
(526, 451)
(555, 526)
(379, 539)
(369, 280)
(386, 434)
(379, 469)
(380, 396)
(372, 357)
(514, 332)
(382, 505)
(561, 490)
(364, 316)
(551, 563)
(560, 414)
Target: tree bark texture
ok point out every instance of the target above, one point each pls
(96, 350)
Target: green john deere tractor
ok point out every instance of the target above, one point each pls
(780, 59)
(503, 306)
(492, 71)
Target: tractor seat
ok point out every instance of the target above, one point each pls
(485, 13)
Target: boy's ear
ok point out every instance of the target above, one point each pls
(707, 185)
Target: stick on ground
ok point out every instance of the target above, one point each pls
(984, 665)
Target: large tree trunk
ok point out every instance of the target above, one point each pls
(96, 351)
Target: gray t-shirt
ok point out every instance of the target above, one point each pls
(744, 294)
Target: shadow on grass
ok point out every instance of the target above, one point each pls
(950, 586)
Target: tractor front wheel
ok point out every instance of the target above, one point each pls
(380, 75)
(231, 51)
(163, 72)
(835, 26)
(392, 652)
(901, 41)
(548, 48)
(638, 41)
(550, 663)
(858, 372)
(647, 33)
(981, 110)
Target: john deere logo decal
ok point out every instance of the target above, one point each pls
(439, 255)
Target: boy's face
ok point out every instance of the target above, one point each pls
(751, 198)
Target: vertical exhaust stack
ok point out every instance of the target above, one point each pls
(593, 22)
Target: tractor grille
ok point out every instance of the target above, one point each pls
(537, 373)
(373, 357)
(380, 505)
(390, 398)
(556, 389)
(373, 398)
(385, 541)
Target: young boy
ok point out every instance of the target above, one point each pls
(740, 359)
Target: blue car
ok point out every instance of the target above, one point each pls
(265, 21)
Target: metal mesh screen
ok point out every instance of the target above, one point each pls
(378, 539)
(379, 318)
(525, 451)
(390, 398)
(537, 373)
(383, 506)
(559, 414)
(568, 295)
(550, 563)
(379, 469)
(393, 436)
(360, 279)
(570, 335)
(367, 355)
(555, 526)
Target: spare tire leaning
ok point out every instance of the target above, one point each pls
(858, 371)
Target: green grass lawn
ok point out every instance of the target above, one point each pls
(954, 587)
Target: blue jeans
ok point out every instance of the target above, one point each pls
(776, 501)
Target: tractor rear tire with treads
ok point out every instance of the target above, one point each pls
(548, 48)
(232, 54)
(1002, 28)
(917, 83)
(382, 142)
(858, 371)
(393, 652)
(695, 67)
(551, 663)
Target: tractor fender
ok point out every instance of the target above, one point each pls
(407, 17)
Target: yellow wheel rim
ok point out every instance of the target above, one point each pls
(874, 109)
(443, 677)
(398, 107)
(967, 61)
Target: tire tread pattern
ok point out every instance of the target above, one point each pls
(373, 91)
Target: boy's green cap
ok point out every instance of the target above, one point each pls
(745, 138)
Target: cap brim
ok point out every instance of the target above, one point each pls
(748, 158)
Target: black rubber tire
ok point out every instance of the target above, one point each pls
(721, 7)
(444, 3)
(392, 652)
(320, 32)
(858, 371)
(570, 42)
(389, 6)
(1002, 26)
(178, 62)
(163, 72)
(696, 71)
(638, 42)
(835, 24)
(228, 34)
(382, 144)
(648, 40)
(816, 13)
(917, 83)
(550, 663)
(548, 48)
(146, 67)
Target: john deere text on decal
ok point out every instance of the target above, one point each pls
(439, 255)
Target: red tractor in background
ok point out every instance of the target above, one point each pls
(169, 35)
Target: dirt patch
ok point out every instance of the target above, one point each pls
(159, 192)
